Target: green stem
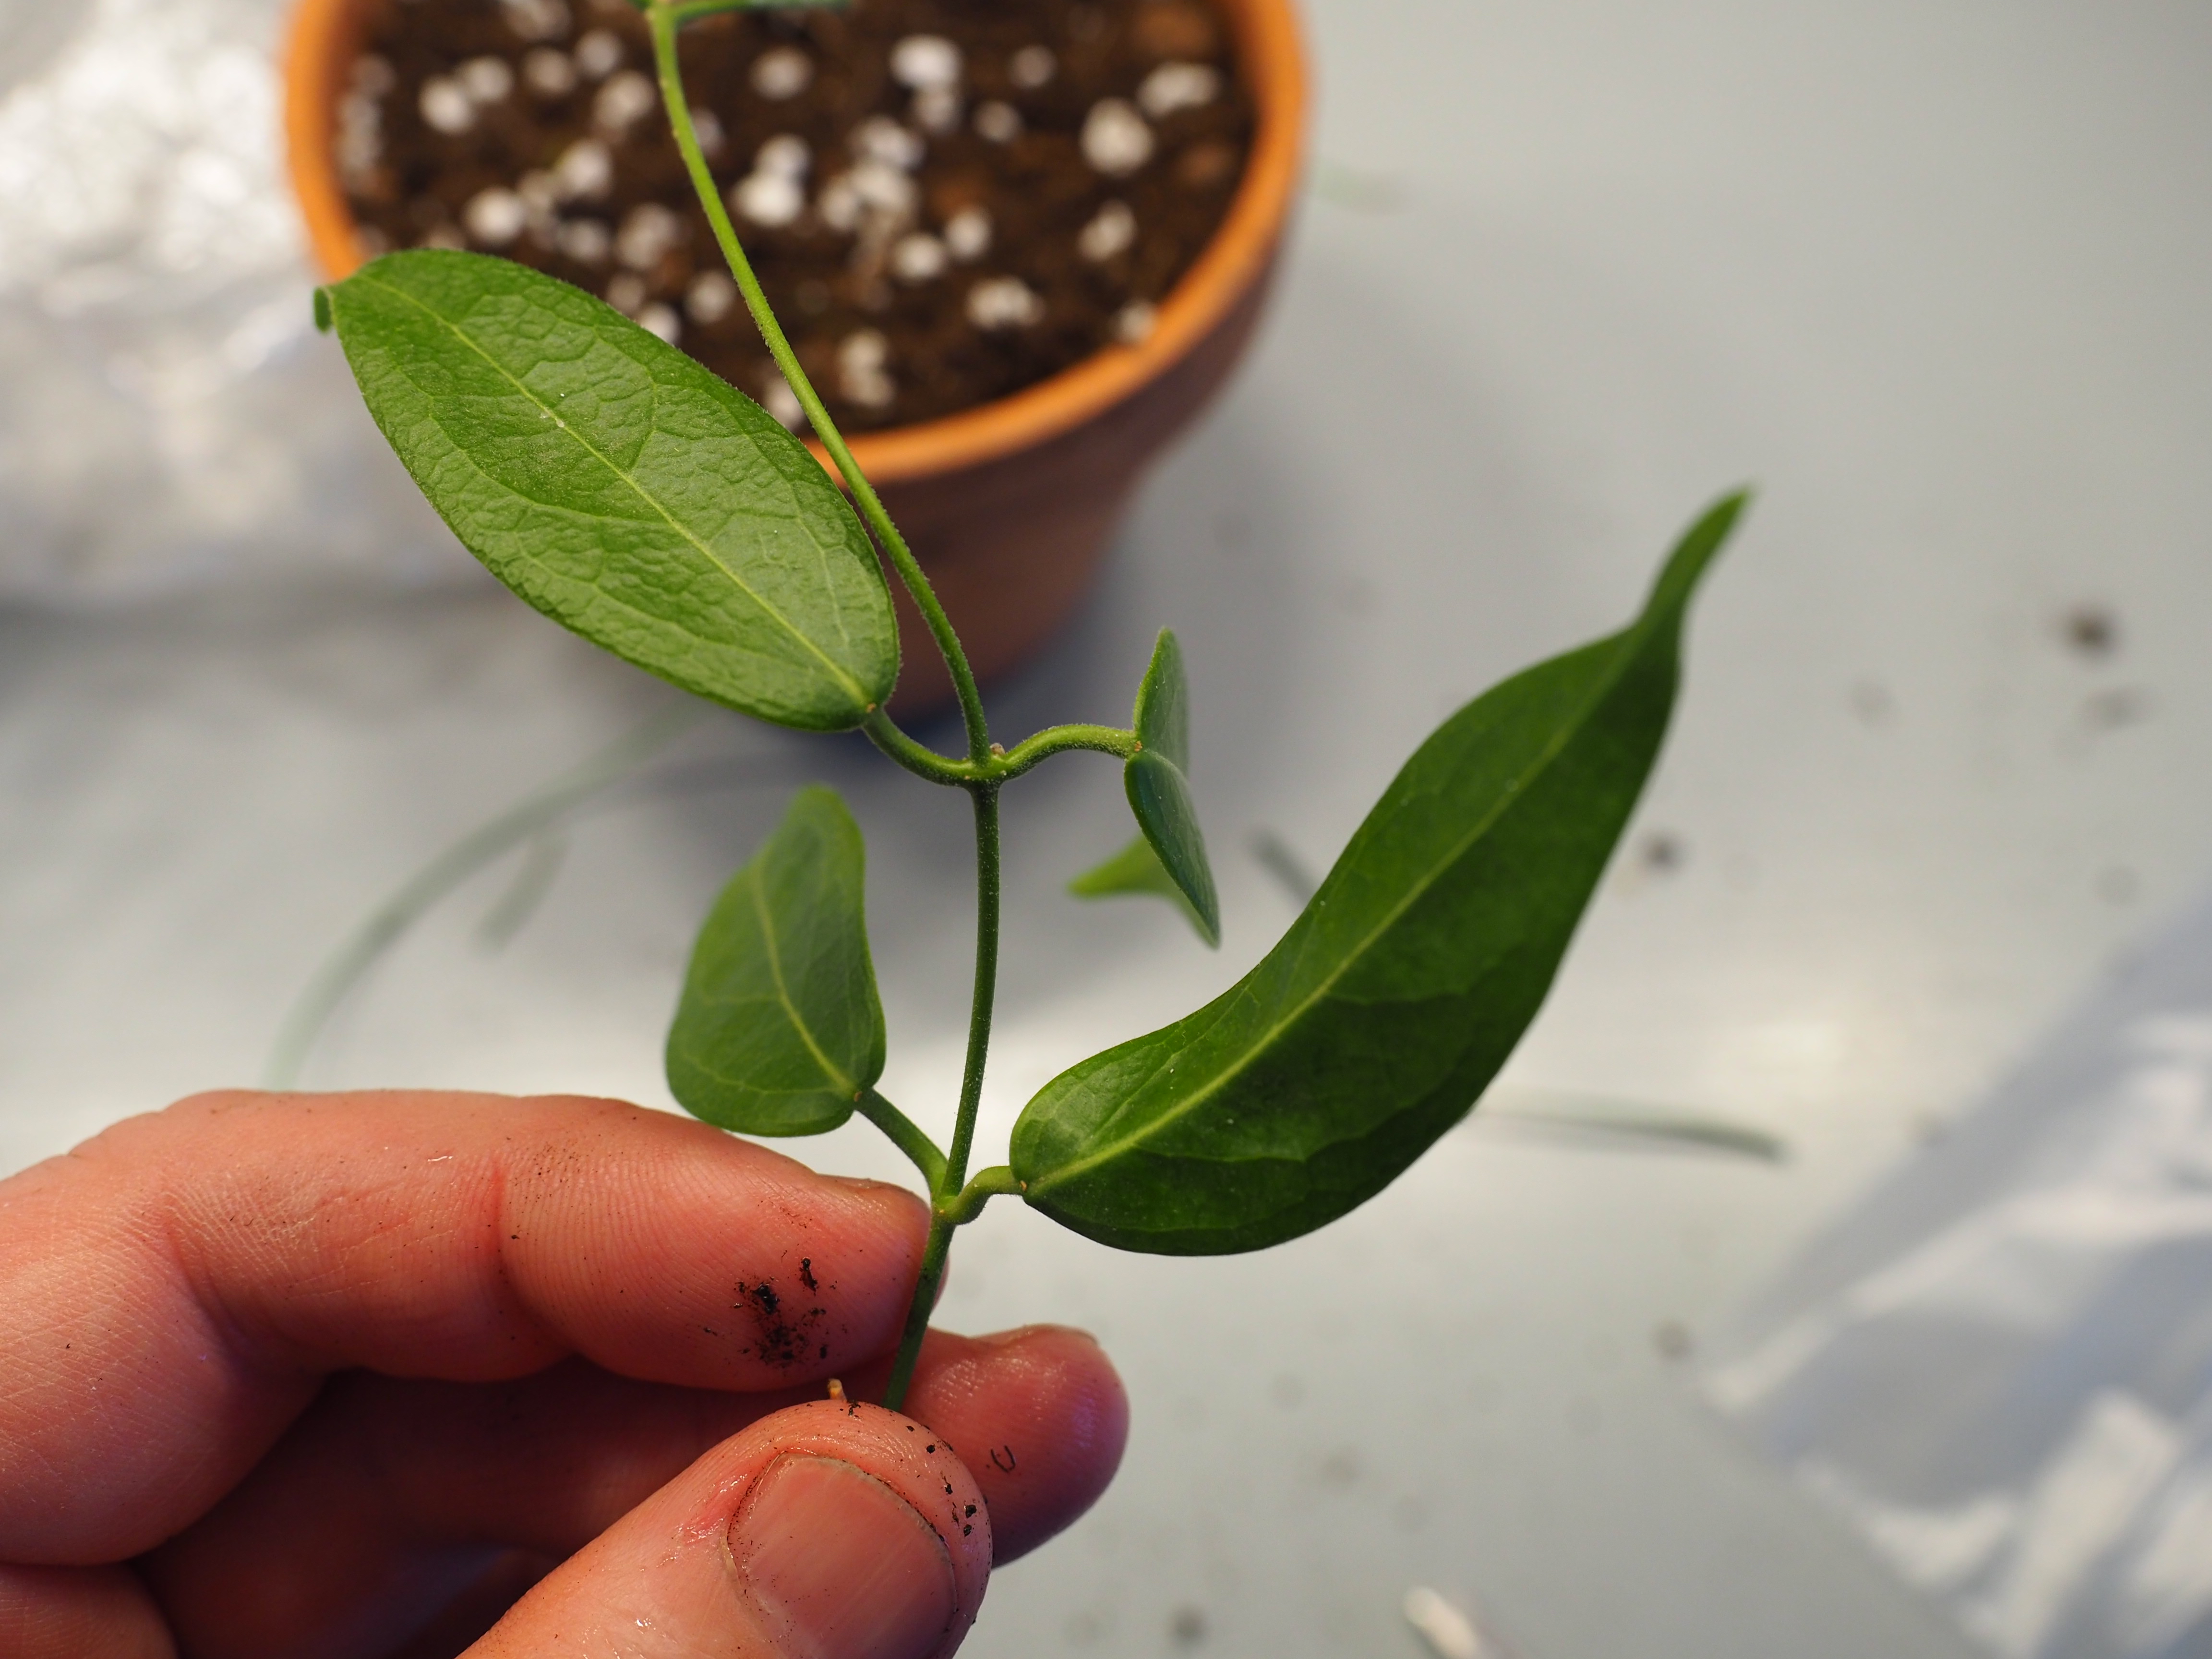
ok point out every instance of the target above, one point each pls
(665, 19)
(984, 769)
(965, 1206)
(905, 1134)
(999, 766)
(986, 796)
(1059, 740)
(947, 1195)
(917, 1314)
(916, 757)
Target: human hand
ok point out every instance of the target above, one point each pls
(343, 1375)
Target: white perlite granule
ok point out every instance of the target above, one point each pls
(495, 217)
(548, 73)
(770, 200)
(840, 205)
(585, 171)
(537, 20)
(1031, 67)
(710, 297)
(782, 72)
(937, 109)
(998, 123)
(660, 320)
(648, 230)
(587, 241)
(786, 154)
(925, 61)
(599, 54)
(1173, 87)
(780, 401)
(919, 258)
(1116, 140)
(627, 98)
(540, 196)
(863, 373)
(880, 139)
(1112, 230)
(885, 192)
(968, 234)
(486, 80)
(360, 142)
(1134, 322)
(444, 105)
(1002, 302)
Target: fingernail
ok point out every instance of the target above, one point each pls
(838, 1565)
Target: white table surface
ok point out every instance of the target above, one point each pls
(1935, 277)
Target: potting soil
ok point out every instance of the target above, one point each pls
(946, 200)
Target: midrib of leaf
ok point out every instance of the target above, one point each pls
(830, 1069)
(1511, 796)
(851, 685)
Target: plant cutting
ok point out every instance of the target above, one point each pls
(620, 487)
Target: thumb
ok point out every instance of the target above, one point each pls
(831, 1530)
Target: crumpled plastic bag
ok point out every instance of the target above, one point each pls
(1999, 1368)
(168, 415)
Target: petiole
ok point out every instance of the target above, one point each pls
(905, 1134)
(964, 1206)
(1000, 765)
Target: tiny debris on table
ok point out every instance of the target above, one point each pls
(1448, 1631)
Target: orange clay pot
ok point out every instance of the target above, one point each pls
(1009, 506)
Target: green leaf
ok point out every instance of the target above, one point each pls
(779, 1029)
(1392, 1001)
(1158, 781)
(620, 487)
(1137, 869)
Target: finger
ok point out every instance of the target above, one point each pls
(71, 1612)
(171, 1291)
(386, 1494)
(828, 1531)
(1038, 1416)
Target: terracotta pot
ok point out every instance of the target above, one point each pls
(1009, 506)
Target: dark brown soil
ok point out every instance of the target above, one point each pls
(874, 266)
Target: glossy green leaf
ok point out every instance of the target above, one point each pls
(779, 1029)
(1158, 781)
(620, 487)
(1137, 869)
(1386, 1008)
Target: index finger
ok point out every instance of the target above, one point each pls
(172, 1292)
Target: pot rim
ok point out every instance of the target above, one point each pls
(1272, 57)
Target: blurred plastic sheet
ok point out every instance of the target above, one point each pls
(1999, 1368)
(169, 415)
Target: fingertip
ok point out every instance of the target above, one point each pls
(60, 1613)
(1039, 1414)
(830, 1530)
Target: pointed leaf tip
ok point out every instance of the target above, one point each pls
(1162, 712)
(1697, 549)
(1136, 869)
(1382, 1015)
(1157, 783)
